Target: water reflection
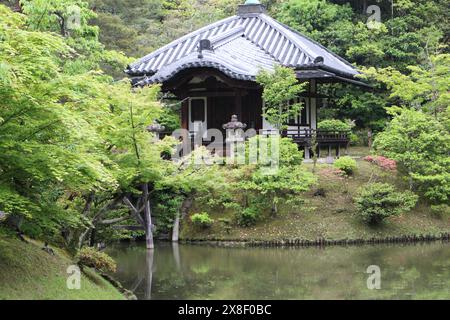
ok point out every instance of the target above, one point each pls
(175, 271)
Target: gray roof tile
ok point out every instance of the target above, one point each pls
(242, 45)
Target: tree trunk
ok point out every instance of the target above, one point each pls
(364, 6)
(176, 229)
(148, 219)
(176, 255)
(149, 274)
(274, 207)
(187, 203)
(410, 180)
(92, 238)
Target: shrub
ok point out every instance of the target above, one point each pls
(93, 258)
(378, 201)
(383, 162)
(419, 143)
(441, 210)
(346, 164)
(339, 125)
(248, 217)
(332, 173)
(202, 220)
(335, 125)
(289, 153)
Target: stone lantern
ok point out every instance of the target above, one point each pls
(156, 128)
(234, 138)
(234, 124)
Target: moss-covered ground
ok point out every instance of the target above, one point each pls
(30, 273)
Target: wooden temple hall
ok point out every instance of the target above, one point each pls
(213, 71)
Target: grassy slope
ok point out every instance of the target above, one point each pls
(27, 272)
(332, 217)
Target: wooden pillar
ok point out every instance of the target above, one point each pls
(338, 151)
(313, 104)
(238, 104)
(307, 153)
(185, 114)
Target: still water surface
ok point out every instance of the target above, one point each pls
(173, 271)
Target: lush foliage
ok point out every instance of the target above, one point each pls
(280, 89)
(378, 201)
(339, 125)
(267, 184)
(93, 258)
(249, 216)
(346, 164)
(202, 220)
(335, 125)
(419, 143)
(424, 87)
(75, 156)
(73, 140)
(409, 33)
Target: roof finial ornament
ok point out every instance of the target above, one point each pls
(204, 44)
(251, 7)
(319, 60)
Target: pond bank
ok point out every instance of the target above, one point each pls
(444, 237)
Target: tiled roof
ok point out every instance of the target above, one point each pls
(241, 46)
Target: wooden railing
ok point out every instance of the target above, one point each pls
(304, 136)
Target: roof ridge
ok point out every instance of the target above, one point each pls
(222, 39)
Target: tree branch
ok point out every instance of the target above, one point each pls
(116, 220)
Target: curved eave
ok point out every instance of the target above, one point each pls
(209, 60)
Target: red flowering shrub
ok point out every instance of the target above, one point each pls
(332, 173)
(382, 162)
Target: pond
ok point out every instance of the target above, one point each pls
(172, 271)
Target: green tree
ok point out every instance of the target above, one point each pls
(420, 144)
(288, 180)
(424, 87)
(73, 147)
(280, 89)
